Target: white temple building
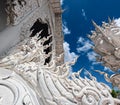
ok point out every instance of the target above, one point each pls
(32, 68)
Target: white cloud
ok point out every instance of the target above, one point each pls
(84, 48)
(69, 56)
(117, 21)
(86, 45)
(107, 69)
(81, 40)
(65, 28)
(91, 56)
(61, 2)
(84, 14)
(96, 63)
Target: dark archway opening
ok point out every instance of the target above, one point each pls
(3, 15)
(43, 28)
(40, 27)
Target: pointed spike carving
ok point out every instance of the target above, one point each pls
(109, 20)
(91, 77)
(105, 75)
(95, 25)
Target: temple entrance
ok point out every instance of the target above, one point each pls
(3, 15)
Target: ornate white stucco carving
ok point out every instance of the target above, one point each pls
(14, 90)
(114, 79)
(25, 79)
(18, 9)
(47, 81)
(107, 44)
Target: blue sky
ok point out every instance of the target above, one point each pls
(77, 24)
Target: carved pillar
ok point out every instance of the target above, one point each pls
(59, 37)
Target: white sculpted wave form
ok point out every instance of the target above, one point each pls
(48, 84)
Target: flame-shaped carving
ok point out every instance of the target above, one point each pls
(50, 82)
